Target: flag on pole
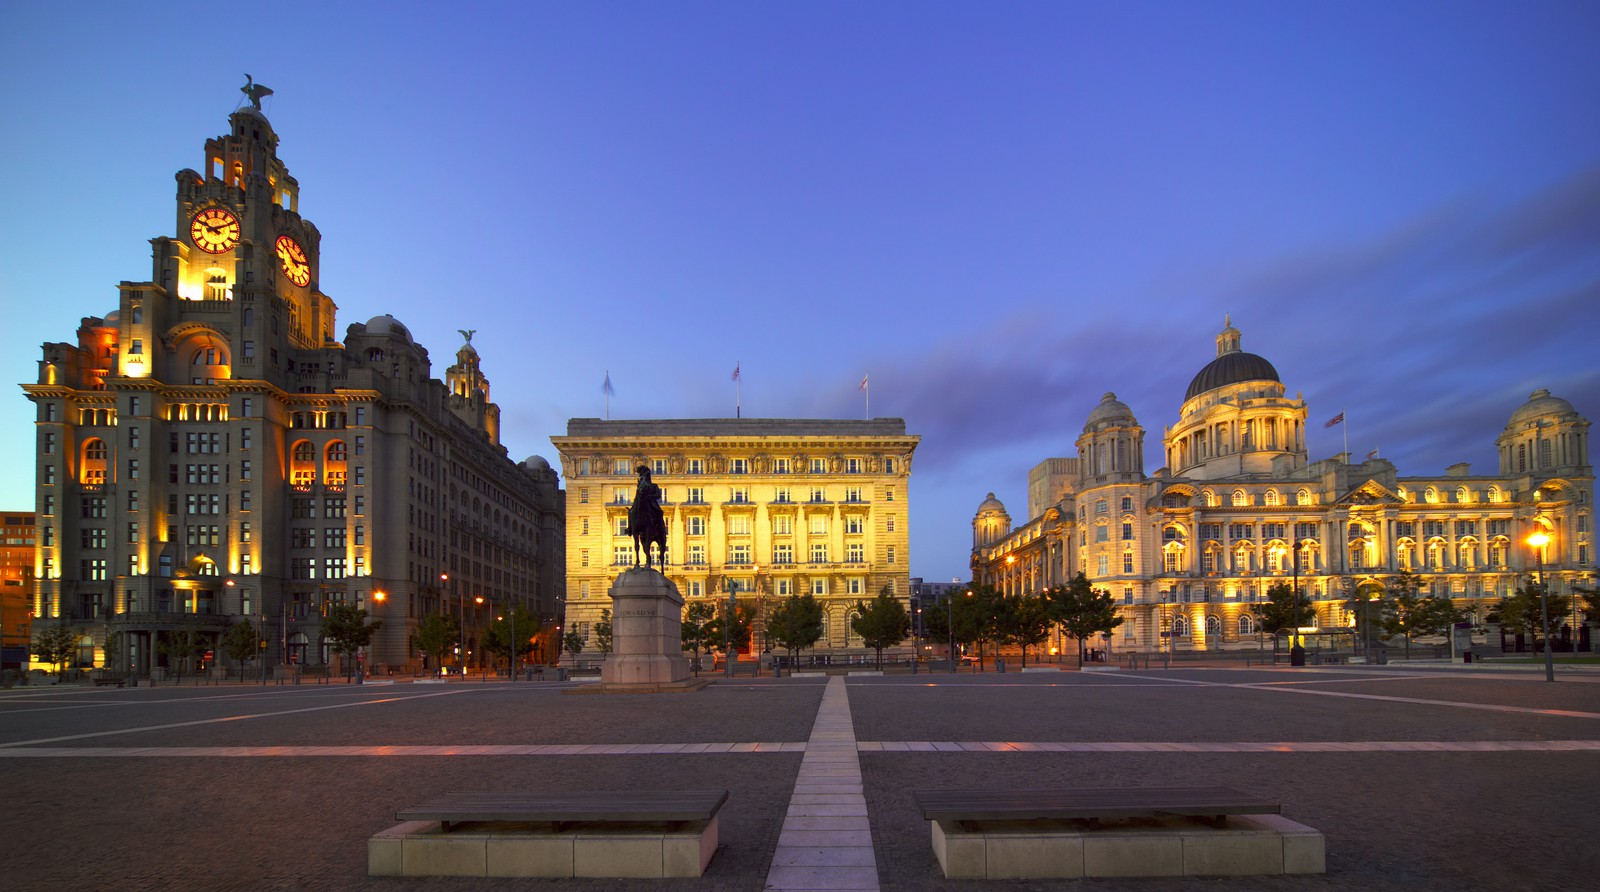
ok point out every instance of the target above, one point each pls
(1372, 455)
(736, 371)
(606, 388)
(863, 387)
(1337, 419)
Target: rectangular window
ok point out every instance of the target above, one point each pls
(854, 525)
(739, 466)
(739, 495)
(697, 555)
(780, 466)
(1127, 562)
(852, 466)
(888, 524)
(334, 568)
(361, 475)
(361, 534)
(853, 494)
(696, 526)
(697, 466)
(855, 553)
(783, 525)
(819, 466)
(739, 526)
(888, 555)
(818, 494)
(361, 506)
(854, 585)
(583, 495)
(819, 586)
(783, 554)
(817, 525)
(785, 588)
(1240, 530)
(333, 537)
(697, 495)
(361, 445)
(739, 554)
(819, 553)
(1274, 531)
(620, 466)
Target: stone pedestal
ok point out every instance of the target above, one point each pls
(646, 633)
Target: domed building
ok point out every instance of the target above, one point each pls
(1189, 551)
(214, 454)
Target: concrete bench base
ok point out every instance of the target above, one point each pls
(1042, 849)
(605, 850)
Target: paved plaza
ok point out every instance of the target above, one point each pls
(1420, 778)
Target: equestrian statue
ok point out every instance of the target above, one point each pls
(645, 521)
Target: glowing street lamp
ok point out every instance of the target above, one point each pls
(1539, 539)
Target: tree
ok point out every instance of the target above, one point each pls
(241, 643)
(1283, 609)
(180, 647)
(347, 631)
(1082, 610)
(1522, 613)
(1367, 608)
(573, 642)
(511, 635)
(882, 623)
(697, 620)
(796, 624)
(1027, 622)
(971, 615)
(738, 630)
(1591, 599)
(602, 632)
(55, 645)
(435, 633)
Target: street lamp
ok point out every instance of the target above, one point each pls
(950, 625)
(1297, 651)
(1539, 540)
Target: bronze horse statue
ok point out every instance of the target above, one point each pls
(645, 521)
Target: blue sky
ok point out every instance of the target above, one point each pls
(998, 211)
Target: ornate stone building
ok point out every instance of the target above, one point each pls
(1240, 506)
(760, 507)
(209, 452)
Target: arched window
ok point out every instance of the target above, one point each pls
(303, 451)
(1180, 626)
(1495, 494)
(1240, 498)
(374, 355)
(1272, 497)
(1127, 503)
(1431, 496)
(302, 463)
(1462, 495)
(1213, 626)
(93, 471)
(337, 451)
(1358, 554)
(1303, 497)
(1211, 499)
(1467, 554)
(1246, 624)
(1436, 554)
(1497, 553)
(209, 356)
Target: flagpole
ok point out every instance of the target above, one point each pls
(738, 391)
(1346, 425)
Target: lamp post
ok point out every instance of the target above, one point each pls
(727, 629)
(950, 625)
(378, 597)
(1539, 540)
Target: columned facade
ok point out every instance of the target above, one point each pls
(1188, 549)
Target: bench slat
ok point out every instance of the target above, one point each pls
(980, 805)
(666, 805)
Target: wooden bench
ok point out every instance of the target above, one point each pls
(564, 810)
(1091, 804)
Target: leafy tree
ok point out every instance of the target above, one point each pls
(1367, 608)
(180, 648)
(347, 631)
(1591, 599)
(1027, 622)
(511, 631)
(55, 645)
(113, 650)
(1521, 613)
(976, 614)
(697, 620)
(435, 633)
(738, 630)
(573, 641)
(882, 623)
(1082, 610)
(602, 632)
(796, 624)
(1282, 610)
(241, 643)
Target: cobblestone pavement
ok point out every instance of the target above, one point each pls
(1393, 820)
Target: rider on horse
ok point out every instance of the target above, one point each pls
(645, 521)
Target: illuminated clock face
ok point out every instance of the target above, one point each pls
(293, 258)
(214, 230)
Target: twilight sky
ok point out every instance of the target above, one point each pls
(997, 210)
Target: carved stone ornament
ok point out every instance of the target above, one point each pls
(676, 463)
(801, 465)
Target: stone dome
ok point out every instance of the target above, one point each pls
(1540, 402)
(991, 504)
(536, 463)
(1110, 411)
(387, 325)
(1231, 368)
